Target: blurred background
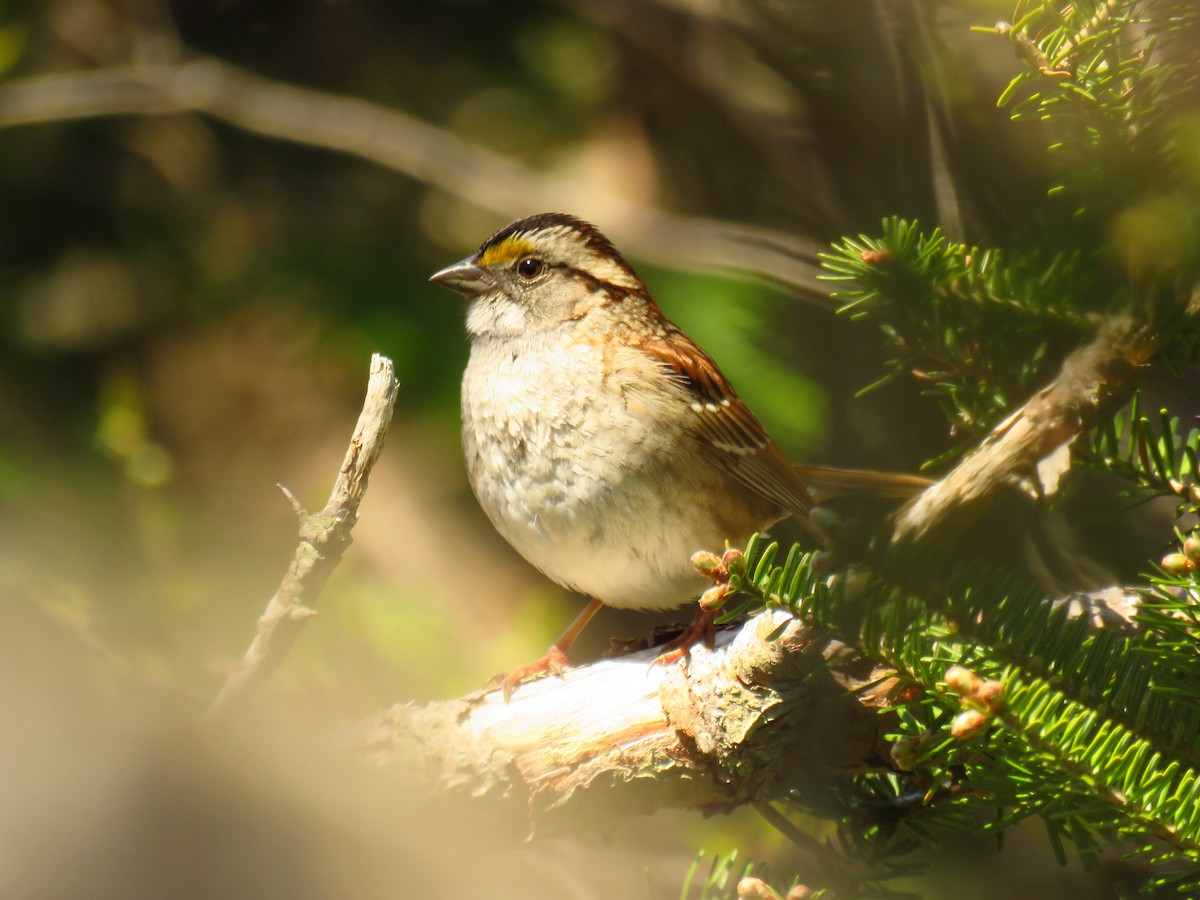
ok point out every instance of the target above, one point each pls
(192, 283)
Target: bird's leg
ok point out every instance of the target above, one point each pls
(555, 659)
(701, 629)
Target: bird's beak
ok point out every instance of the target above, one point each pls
(465, 277)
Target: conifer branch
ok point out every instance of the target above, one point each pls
(1094, 381)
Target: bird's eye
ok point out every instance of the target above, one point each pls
(530, 268)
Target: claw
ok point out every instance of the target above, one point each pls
(554, 663)
(670, 657)
(701, 629)
(555, 660)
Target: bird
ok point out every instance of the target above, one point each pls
(603, 443)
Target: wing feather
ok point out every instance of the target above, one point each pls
(725, 424)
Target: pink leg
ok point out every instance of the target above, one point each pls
(701, 629)
(555, 659)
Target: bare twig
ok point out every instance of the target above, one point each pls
(622, 736)
(324, 537)
(1093, 379)
(390, 138)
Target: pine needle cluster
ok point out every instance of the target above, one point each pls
(1008, 702)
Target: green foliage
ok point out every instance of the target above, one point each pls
(979, 326)
(1108, 78)
(1156, 456)
(1007, 703)
(1095, 730)
(722, 877)
(973, 324)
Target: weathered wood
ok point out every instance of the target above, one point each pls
(1094, 380)
(324, 537)
(746, 721)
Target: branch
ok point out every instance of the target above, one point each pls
(1112, 609)
(1093, 380)
(746, 721)
(405, 144)
(324, 537)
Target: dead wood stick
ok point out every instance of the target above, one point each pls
(324, 537)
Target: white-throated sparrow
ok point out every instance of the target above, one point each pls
(600, 440)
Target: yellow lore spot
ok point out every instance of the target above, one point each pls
(506, 251)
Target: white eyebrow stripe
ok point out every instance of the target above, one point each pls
(563, 244)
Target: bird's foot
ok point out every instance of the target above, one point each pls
(701, 629)
(553, 663)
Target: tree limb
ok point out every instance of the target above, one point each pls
(744, 723)
(1093, 380)
(405, 144)
(324, 537)
(622, 735)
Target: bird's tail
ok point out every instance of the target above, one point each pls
(825, 482)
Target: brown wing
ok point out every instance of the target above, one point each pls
(725, 423)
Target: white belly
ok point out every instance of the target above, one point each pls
(577, 492)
